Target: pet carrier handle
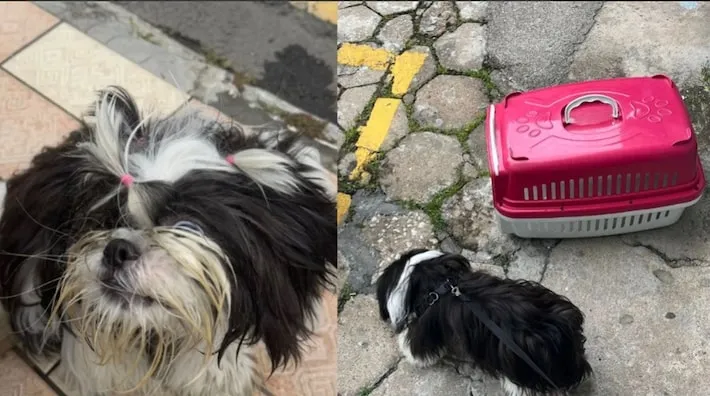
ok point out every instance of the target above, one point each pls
(591, 98)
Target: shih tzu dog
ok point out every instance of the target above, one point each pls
(519, 331)
(153, 254)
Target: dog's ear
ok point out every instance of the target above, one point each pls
(281, 248)
(386, 282)
(455, 263)
(34, 235)
(389, 278)
(116, 113)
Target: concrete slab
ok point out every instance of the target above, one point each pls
(645, 321)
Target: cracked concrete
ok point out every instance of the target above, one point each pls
(644, 295)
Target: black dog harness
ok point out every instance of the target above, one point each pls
(448, 287)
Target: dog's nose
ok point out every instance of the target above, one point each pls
(118, 252)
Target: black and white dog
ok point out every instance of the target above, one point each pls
(153, 254)
(519, 331)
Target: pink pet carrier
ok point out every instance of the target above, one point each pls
(593, 158)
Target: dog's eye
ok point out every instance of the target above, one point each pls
(188, 226)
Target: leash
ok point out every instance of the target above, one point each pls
(477, 310)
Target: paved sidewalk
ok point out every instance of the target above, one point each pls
(53, 57)
(414, 81)
(270, 44)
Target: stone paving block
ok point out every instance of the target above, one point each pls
(353, 76)
(398, 129)
(437, 18)
(472, 10)
(645, 321)
(449, 102)
(529, 261)
(356, 24)
(352, 103)
(346, 4)
(471, 219)
(402, 177)
(392, 7)
(478, 149)
(366, 346)
(464, 49)
(395, 33)
(426, 72)
(392, 235)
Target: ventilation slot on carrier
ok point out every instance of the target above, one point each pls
(610, 184)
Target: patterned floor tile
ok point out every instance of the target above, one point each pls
(316, 375)
(20, 23)
(28, 122)
(43, 364)
(18, 379)
(68, 67)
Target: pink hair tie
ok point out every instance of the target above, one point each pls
(230, 159)
(127, 180)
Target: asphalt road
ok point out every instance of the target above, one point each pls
(274, 45)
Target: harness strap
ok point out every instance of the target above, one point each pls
(503, 336)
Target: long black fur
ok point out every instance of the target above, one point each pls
(278, 245)
(546, 325)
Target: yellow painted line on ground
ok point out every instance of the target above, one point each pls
(343, 203)
(323, 10)
(373, 134)
(405, 67)
(364, 55)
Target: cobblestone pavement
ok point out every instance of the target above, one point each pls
(414, 80)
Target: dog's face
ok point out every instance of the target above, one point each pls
(166, 235)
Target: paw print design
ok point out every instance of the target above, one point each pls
(651, 109)
(533, 123)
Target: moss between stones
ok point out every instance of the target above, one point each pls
(351, 136)
(483, 74)
(433, 207)
(346, 186)
(373, 167)
(346, 293)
